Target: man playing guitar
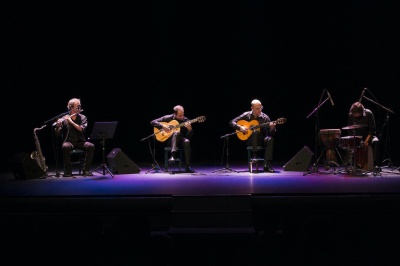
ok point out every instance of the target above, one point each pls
(175, 138)
(263, 136)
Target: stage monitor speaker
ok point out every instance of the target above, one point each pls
(120, 163)
(24, 167)
(301, 161)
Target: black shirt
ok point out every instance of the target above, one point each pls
(366, 119)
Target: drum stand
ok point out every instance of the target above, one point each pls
(352, 168)
(330, 160)
(315, 169)
(327, 163)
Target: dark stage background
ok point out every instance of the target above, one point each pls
(132, 62)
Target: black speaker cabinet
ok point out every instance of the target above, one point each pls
(301, 161)
(24, 167)
(120, 163)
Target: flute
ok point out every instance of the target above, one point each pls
(55, 123)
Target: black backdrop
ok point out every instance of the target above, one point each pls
(132, 62)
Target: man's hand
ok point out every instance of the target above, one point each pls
(188, 126)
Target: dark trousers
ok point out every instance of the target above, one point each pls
(257, 139)
(68, 146)
(178, 140)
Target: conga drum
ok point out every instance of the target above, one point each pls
(330, 137)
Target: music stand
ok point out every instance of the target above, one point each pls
(103, 131)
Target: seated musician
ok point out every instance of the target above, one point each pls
(364, 121)
(261, 137)
(176, 138)
(72, 128)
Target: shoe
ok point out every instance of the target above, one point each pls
(87, 173)
(172, 159)
(189, 169)
(268, 169)
(67, 174)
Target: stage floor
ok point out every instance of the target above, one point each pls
(212, 217)
(206, 181)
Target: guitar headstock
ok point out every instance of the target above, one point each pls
(201, 119)
(281, 121)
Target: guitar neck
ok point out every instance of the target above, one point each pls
(262, 125)
(182, 124)
(279, 121)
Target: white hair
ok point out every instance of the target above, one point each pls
(255, 101)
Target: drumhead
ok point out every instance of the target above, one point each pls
(333, 131)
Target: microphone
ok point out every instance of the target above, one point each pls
(330, 97)
(362, 95)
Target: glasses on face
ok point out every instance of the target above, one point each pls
(258, 108)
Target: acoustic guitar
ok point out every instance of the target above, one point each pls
(254, 125)
(174, 126)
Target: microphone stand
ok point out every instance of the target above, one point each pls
(315, 165)
(387, 143)
(55, 144)
(56, 154)
(387, 139)
(57, 116)
(155, 166)
(227, 169)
